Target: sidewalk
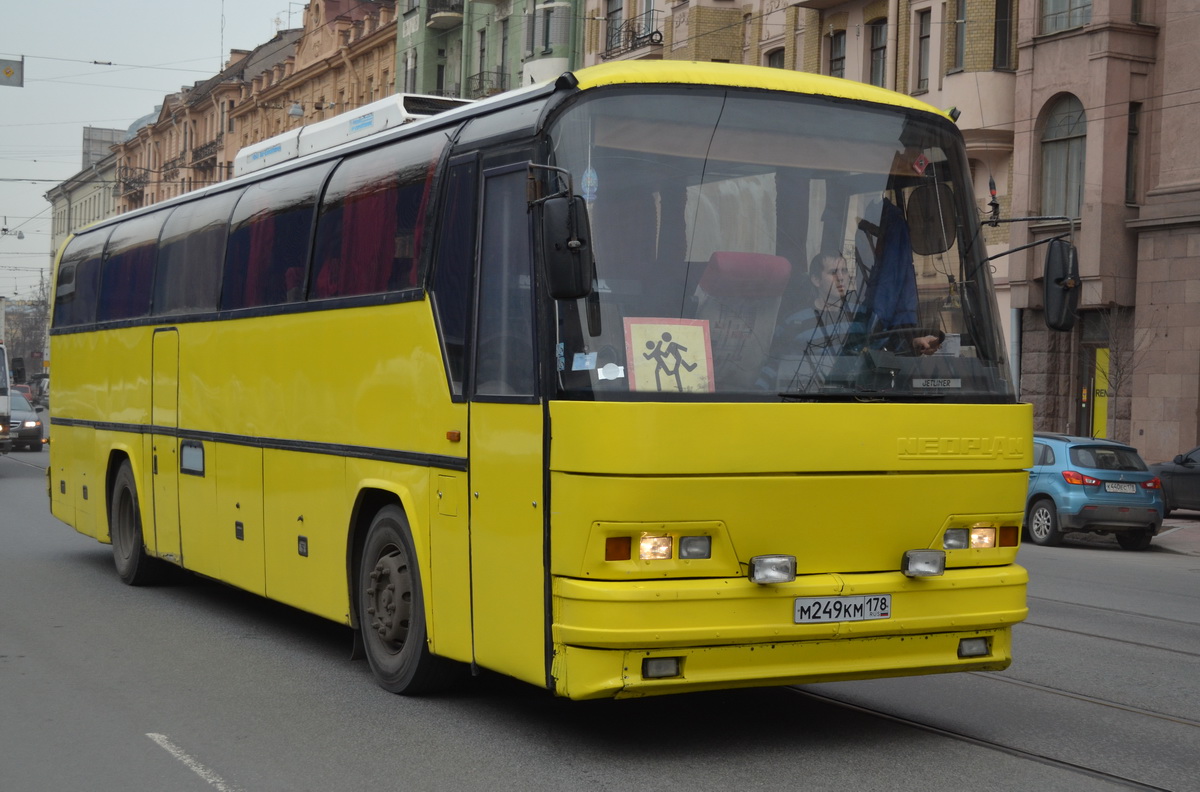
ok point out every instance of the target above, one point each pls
(1180, 533)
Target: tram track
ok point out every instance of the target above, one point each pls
(1101, 609)
(1163, 716)
(1021, 753)
(1125, 641)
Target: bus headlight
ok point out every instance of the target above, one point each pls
(979, 537)
(655, 548)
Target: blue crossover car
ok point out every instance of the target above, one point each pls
(1091, 484)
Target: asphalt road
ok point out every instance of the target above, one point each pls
(194, 686)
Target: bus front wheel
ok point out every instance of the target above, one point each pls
(134, 565)
(392, 612)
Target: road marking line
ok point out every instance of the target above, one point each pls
(214, 780)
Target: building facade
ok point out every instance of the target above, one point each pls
(190, 139)
(1105, 96)
(90, 195)
(343, 57)
(476, 48)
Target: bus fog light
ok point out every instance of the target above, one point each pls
(773, 569)
(973, 647)
(655, 548)
(695, 547)
(660, 667)
(983, 537)
(923, 563)
(955, 539)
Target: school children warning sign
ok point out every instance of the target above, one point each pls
(668, 355)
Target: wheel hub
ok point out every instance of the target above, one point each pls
(389, 599)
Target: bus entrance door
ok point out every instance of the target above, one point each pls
(164, 444)
(506, 446)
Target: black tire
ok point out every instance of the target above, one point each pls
(1134, 540)
(134, 564)
(1042, 523)
(391, 611)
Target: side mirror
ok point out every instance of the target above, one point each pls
(566, 247)
(1060, 289)
(1180, 459)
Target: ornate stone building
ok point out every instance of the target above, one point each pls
(1105, 97)
(342, 58)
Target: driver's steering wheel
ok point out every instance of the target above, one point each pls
(901, 340)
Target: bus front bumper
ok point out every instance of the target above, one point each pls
(724, 633)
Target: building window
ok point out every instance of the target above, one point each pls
(1131, 153)
(1064, 141)
(878, 30)
(1064, 14)
(960, 33)
(924, 27)
(1002, 46)
(837, 54)
(775, 58)
(613, 16)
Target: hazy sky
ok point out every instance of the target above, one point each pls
(156, 48)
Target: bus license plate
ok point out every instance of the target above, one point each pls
(1118, 486)
(841, 609)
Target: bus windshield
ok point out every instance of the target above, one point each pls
(756, 247)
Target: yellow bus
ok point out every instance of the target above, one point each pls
(534, 385)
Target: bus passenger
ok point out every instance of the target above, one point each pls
(808, 341)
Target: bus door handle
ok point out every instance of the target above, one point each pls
(154, 463)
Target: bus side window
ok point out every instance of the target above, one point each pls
(269, 235)
(190, 256)
(454, 266)
(78, 278)
(127, 273)
(368, 231)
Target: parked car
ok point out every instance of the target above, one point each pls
(25, 425)
(1094, 485)
(1181, 481)
(25, 391)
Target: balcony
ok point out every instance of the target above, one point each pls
(444, 14)
(131, 180)
(486, 83)
(644, 30)
(206, 152)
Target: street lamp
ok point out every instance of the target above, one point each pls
(5, 232)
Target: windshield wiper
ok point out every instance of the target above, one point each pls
(860, 395)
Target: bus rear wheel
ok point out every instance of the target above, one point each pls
(134, 564)
(391, 611)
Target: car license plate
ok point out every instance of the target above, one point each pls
(1120, 486)
(840, 609)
